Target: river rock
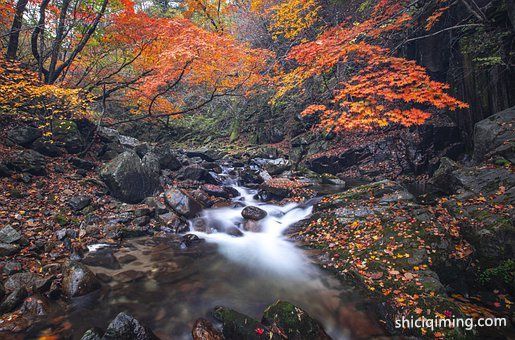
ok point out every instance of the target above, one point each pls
(293, 321)
(92, 334)
(215, 190)
(253, 213)
(78, 279)
(102, 258)
(23, 135)
(13, 300)
(80, 202)
(128, 179)
(233, 231)
(9, 235)
(182, 203)
(125, 326)
(203, 330)
(241, 326)
(196, 173)
(191, 239)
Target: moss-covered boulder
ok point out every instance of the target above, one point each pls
(242, 327)
(293, 322)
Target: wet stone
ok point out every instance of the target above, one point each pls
(102, 258)
(129, 276)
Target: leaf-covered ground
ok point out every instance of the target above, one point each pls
(394, 247)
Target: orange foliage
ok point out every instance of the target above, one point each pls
(172, 54)
(378, 89)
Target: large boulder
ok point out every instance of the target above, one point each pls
(128, 179)
(78, 280)
(24, 135)
(293, 321)
(495, 135)
(167, 157)
(115, 143)
(9, 235)
(27, 161)
(182, 203)
(126, 327)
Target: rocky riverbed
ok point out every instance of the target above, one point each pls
(141, 240)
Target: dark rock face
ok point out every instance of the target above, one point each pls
(495, 135)
(181, 203)
(9, 235)
(27, 161)
(67, 134)
(196, 173)
(13, 300)
(241, 326)
(253, 213)
(126, 327)
(78, 203)
(208, 155)
(45, 146)
(18, 280)
(293, 321)
(24, 135)
(128, 179)
(81, 163)
(8, 249)
(167, 157)
(415, 151)
(233, 231)
(203, 330)
(78, 280)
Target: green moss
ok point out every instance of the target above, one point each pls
(504, 272)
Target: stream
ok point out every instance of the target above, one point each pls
(168, 286)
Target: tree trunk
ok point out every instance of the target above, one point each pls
(14, 34)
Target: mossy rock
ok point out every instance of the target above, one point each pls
(241, 326)
(294, 322)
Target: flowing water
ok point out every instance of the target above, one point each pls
(168, 287)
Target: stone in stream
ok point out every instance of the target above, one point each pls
(215, 190)
(203, 330)
(182, 203)
(241, 326)
(294, 322)
(196, 173)
(125, 326)
(252, 225)
(233, 231)
(253, 213)
(78, 279)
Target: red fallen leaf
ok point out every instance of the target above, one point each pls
(376, 275)
(259, 331)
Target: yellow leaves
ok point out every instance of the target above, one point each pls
(24, 93)
(291, 18)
